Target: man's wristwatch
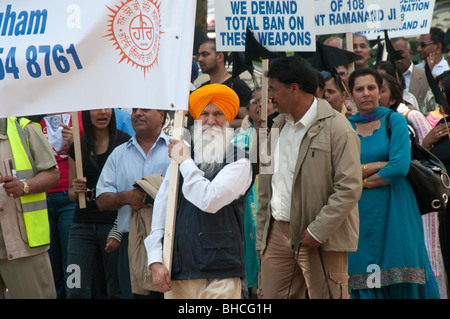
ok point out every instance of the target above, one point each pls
(26, 189)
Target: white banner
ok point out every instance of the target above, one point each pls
(341, 16)
(277, 25)
(415, 17)
(64, 55)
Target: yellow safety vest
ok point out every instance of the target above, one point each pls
(34, 206)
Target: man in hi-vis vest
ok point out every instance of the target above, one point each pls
(28, 169)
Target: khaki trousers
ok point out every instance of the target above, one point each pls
(228, 288)
(27, 277)
(277, 268)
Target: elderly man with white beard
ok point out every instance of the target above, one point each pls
(208, 240)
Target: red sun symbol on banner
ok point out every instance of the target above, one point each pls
(135, 29)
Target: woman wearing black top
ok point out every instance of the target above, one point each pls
(89, 231)
(438, 141)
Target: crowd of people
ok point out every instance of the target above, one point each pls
(330, 203)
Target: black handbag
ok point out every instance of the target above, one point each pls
(427, 176)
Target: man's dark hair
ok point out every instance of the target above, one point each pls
(294, 69)
(363, 72)
(437, 35)
(320, 80)
(213, 42)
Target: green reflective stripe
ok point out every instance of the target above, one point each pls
(33, 198)
(24, 139)
(38, 228)
(25, 174)
(33, 206)
(24, 122)
(21, 160)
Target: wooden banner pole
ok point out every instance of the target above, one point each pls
(385, 53)
(264, 91)
(78, 157)
(349, 46)
(263, 113)
(169, 231)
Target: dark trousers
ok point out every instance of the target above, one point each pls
(123, 268)
(124, 274)
(86, 250)
(60, 216)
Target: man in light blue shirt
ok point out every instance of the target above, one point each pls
(144, 154)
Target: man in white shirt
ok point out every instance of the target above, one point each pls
(307, 209)
(430, 48)
(208, 247)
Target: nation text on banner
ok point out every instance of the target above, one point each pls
(277, 25)
(63, 55)
(415, 17)
(343, 16)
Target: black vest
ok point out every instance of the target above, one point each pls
(208, 245)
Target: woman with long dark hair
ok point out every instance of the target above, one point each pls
(391, 96)
(89, 232)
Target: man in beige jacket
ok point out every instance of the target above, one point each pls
(308, 204)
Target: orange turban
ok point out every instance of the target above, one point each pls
(218, 94)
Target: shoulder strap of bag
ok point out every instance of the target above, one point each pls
(388, 125)
(388, 128)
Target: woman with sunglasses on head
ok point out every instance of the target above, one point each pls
(88, 247)
(391, 240)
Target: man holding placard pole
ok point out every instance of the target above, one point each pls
(207, 241)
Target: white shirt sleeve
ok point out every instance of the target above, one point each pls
(210, 196)
(153, 242)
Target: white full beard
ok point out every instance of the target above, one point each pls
(210, 145)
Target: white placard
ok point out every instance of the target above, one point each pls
(277, 25)
(415, 17)
(65, 55)
(342, 16)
